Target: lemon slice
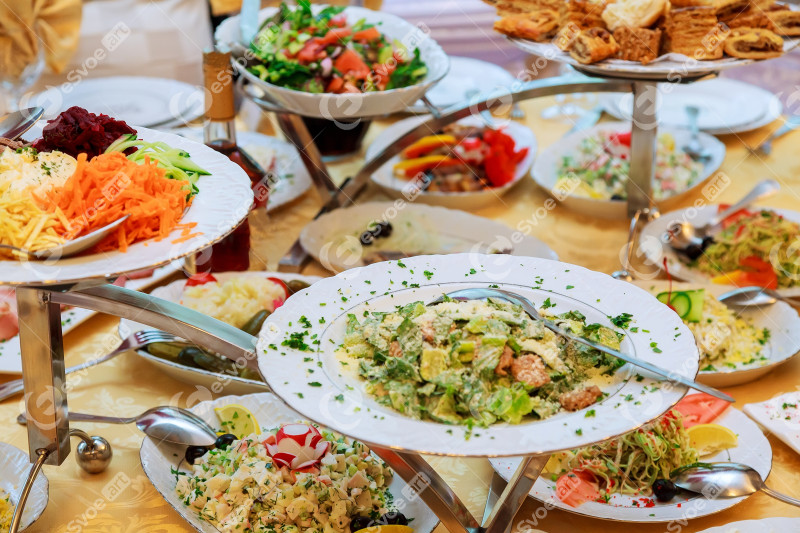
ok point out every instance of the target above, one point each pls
(237, 420)
(708, 439)
(390, 528)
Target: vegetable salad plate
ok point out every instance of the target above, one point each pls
(757, 248)
(330, 355)
(194, 375)
(14, 471)
(372, 232)
(401, 187)
(752, 449)
(587, 171)
(321, 96)
(162, 461)
(223, 199)
(736, 345)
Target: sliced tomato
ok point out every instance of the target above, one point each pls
(732, 219)
(700, 408)
(339, 21)
(369, 34)
(201, 278)
(335, 85)
(623, 138)
(282, 285)
(349, 62)
(577, 487)
(312, 51)
(335, 35)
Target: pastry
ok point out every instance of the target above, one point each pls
(694, 32)
(677, 4)
(753, 17)
(566, 36)
(786, 22)
(729, 8)
(753, 43)
(509, 7)
(633, 13)
(536, 26)
(582, 13)
(638, 44)
(593, 45)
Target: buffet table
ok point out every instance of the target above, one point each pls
(121, 499)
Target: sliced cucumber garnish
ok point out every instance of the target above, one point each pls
(688, 304)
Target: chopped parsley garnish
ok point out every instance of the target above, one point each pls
(622, 321)
(428, 274)
(315, 384)
(589, 413)
(548, 304)
(296, 340)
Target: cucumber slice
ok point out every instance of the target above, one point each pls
(696, 297)
(688, 304)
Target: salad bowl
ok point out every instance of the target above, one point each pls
(347, 106)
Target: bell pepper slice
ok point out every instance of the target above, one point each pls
(411, 167)
(428, 144)
(733, 218)
(755, 271)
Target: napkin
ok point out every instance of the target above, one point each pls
(57, 23)
(780, 416)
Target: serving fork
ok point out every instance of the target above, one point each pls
(134, 341)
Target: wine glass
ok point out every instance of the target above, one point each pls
(13, 85)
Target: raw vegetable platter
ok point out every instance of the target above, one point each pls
(223, 200)
(311, 379)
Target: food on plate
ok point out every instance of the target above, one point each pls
(6, 510)
(9, 323)
(633, 14)
(237, 420)
(583, 14)
(593, 45)
(510, 7)
(478, 362)
(694, 32)
(786, 21)
(753, 248)
(750, 43)
(752, 17)
(725, 9)
(709, 439)
(25, 169)
(77, 131)
(462, 158)
(291, 479)
(324, 53)
(535, 26)
(700, 408)
(638, 44)
(723, 337)
(602, 164)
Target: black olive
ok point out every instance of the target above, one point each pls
(387, 229)
(194, 452)
(367, 238)
(664, 490)
(223, 441)
(361, 522)
(617, 197)
(394, 517)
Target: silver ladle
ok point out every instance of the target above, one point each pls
(170, 424)
(71, 247)
(725, 480)
(690, 241)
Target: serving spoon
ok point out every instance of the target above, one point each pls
(694, 148)
(528, 307)
(14, 125)
(755, 297)
(170, 424)
(725, 480)
(691, 241)
(71, 247)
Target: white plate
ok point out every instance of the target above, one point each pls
(138, 100)
(653, 245)
(781, 320)
(400, 188)
(753, 449)
(157, 460)
(320, 377)
(780, 416)
(456, 231)
(466, 79)
(545, 169)
(743, 106)
(14, 468)
(349, 106)
(762, 525)
(293, 179)
(224, 200)
(10, 355)
(197, 376)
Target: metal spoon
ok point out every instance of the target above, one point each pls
(725, 480)
(695, 148)
(755, 297)
(528, 307)
(170, 424)
(690, 241)
(72, 247)
(14, 125)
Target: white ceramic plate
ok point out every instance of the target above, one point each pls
(762, 525)
(138, 100)
(14, 468)
(466, 79)
(781, 320)
(320, 377)
(449, 231)
(545, 169)
(753, 449)
(780, 416)
(223, 201)
(10, 355)
(157, 460)
(198, 376)
(743, 108)
(467, 201)
(349, 106)
(654, 247)
(293, 179)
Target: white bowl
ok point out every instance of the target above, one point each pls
(14, 468)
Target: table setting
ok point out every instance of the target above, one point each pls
(355, 283)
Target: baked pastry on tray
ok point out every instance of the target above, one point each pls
(633, 13)
(584, 14)
(638, 44)
(753, 17)
(536, 26)
(753, 43)
(694, 32)
(786, 22)
(593, 45)
(728, 8)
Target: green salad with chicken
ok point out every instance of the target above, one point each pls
(478, 362)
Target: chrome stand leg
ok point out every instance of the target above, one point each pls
(513, 496)
(643, 146)
(297, 133)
